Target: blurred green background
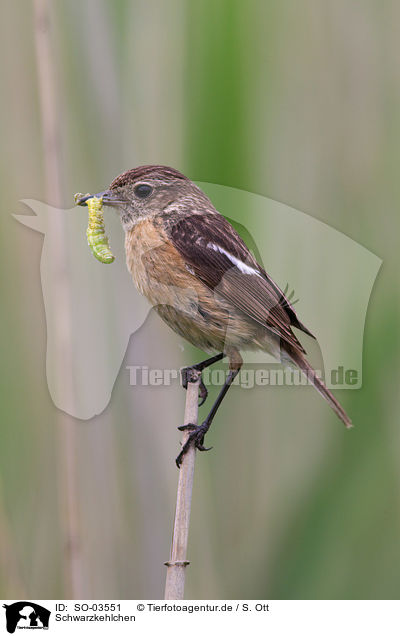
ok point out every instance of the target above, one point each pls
(299, 102)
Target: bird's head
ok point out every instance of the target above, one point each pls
(149, 190)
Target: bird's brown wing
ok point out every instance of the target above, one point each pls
(217, 255)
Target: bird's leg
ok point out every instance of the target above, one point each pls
(197, 433)
(200, 366)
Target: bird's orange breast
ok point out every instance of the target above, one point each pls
(157, 269)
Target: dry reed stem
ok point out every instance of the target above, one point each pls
(68, 488)
(175, 581)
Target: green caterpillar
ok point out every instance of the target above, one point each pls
(96, 236)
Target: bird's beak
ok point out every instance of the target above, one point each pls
(108, 196)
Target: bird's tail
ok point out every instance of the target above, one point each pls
(309, 372)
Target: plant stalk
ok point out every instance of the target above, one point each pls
(175, 581)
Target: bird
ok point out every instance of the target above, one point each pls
(203, 281)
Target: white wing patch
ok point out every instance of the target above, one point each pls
(243, 267)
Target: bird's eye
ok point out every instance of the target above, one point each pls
(143, 190)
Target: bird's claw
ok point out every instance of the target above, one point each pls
(190, 374)
(200, 447)
(203, 392)
(188, 427)
(196, 437)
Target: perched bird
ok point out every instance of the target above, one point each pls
(202, 279)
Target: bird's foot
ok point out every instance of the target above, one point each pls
(190, 374)
(196, 438)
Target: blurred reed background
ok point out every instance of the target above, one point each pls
(299, 102)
